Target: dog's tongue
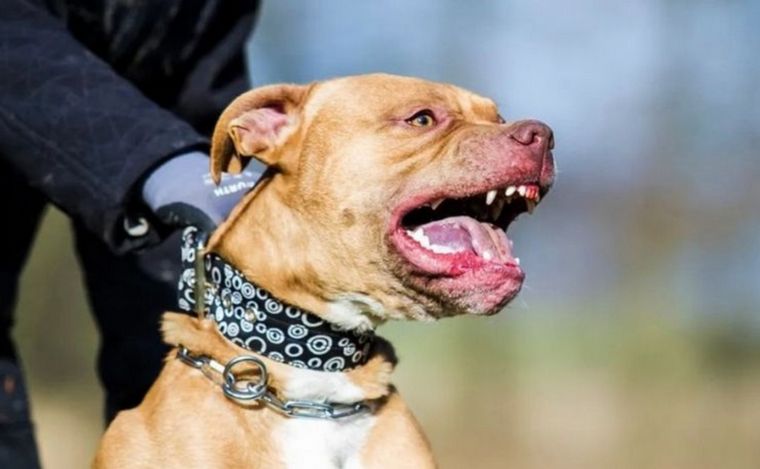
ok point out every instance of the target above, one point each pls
(461, 234)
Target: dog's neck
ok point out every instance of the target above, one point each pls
(366, 382)
(265, 241)
(270, 243)
(253, 318)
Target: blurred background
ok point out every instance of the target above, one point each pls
(636, 340)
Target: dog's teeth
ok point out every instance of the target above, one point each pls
(531, 204)
(418, 235)
(487, 256)
(421, 238)
(521, 190)
(517, 260)
(490, 197)
(510, 190)
(434, 204)
(442, 249)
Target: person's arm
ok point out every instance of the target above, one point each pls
(76, 130)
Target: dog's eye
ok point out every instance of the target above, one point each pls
(424, 118)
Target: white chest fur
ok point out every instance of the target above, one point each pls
(323, 444)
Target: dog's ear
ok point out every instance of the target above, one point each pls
(254, 125)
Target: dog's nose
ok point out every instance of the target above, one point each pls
(532, 134)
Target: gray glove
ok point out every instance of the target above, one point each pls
(180, 192)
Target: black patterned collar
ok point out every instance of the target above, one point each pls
(252, 318)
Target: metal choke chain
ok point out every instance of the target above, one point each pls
(246, 391)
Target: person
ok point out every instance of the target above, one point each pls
(105, 111)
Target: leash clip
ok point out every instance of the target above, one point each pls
(196, 361)
(199, 265)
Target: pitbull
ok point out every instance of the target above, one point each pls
(386, 197)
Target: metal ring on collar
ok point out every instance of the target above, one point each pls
(244, 390)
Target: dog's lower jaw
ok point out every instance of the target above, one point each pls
(363, 312)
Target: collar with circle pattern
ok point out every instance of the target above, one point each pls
(250, 317)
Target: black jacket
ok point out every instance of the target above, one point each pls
(95, 93)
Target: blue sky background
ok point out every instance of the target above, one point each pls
(656, 109)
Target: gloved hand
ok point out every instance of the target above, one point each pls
(180, 191)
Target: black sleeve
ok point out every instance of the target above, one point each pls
(75, 129)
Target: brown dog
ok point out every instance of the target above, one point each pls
(387, 197)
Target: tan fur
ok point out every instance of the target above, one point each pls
(312, 231)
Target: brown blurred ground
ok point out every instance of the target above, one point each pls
(576, 389)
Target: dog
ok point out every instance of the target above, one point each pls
(385, 197)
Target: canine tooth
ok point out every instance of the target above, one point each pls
(490, 197)
(434, 204)
(517, 260)
(487, 256)
(510, 190)
(521, 190)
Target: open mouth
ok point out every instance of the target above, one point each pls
(451, 236)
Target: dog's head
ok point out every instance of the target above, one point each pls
(389, 191)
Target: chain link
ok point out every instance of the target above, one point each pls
(245, 391)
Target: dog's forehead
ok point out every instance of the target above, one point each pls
(382, 92)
